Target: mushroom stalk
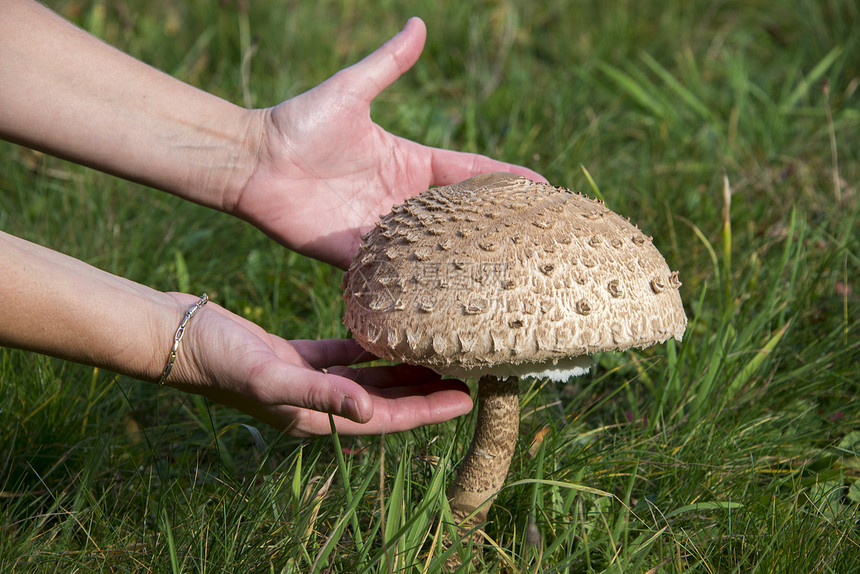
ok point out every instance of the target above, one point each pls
(483, 470)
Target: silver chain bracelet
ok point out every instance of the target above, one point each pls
(177, 338)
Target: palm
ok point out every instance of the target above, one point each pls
(318, 198)
(327, 172)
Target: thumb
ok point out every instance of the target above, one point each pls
(328, 393)
(380, 69)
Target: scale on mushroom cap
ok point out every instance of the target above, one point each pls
(499, 277)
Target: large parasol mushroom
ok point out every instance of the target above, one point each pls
(499, 277)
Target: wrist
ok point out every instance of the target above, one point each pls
(222, 159)
(247, 149)
(179, 335)
(138, 341)
(175, 361)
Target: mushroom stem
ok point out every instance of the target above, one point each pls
(483, 470)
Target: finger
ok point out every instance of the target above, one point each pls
(451, 167)
(390, 415)
(328, 352)
(279, 383)
(391, 60)
(410, 412)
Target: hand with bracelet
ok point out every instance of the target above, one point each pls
(284, 169)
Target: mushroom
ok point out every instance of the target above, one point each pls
(496, 278)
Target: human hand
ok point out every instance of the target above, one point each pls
(326, 172)
(285, 384)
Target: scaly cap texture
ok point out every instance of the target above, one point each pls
(499, 271)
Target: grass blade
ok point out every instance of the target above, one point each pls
(592, 184)
(742, 378)
(702, 506)
(344, 475)
(644, 96)
(677, 87)
(171, 544)
(812, 78)
(561, 484)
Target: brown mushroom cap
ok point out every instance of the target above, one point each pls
(501, 275)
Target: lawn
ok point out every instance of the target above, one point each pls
(727, 130)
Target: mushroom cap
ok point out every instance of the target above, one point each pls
(505, 276)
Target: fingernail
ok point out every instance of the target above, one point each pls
(349, 409)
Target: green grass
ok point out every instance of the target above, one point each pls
(736, 450)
